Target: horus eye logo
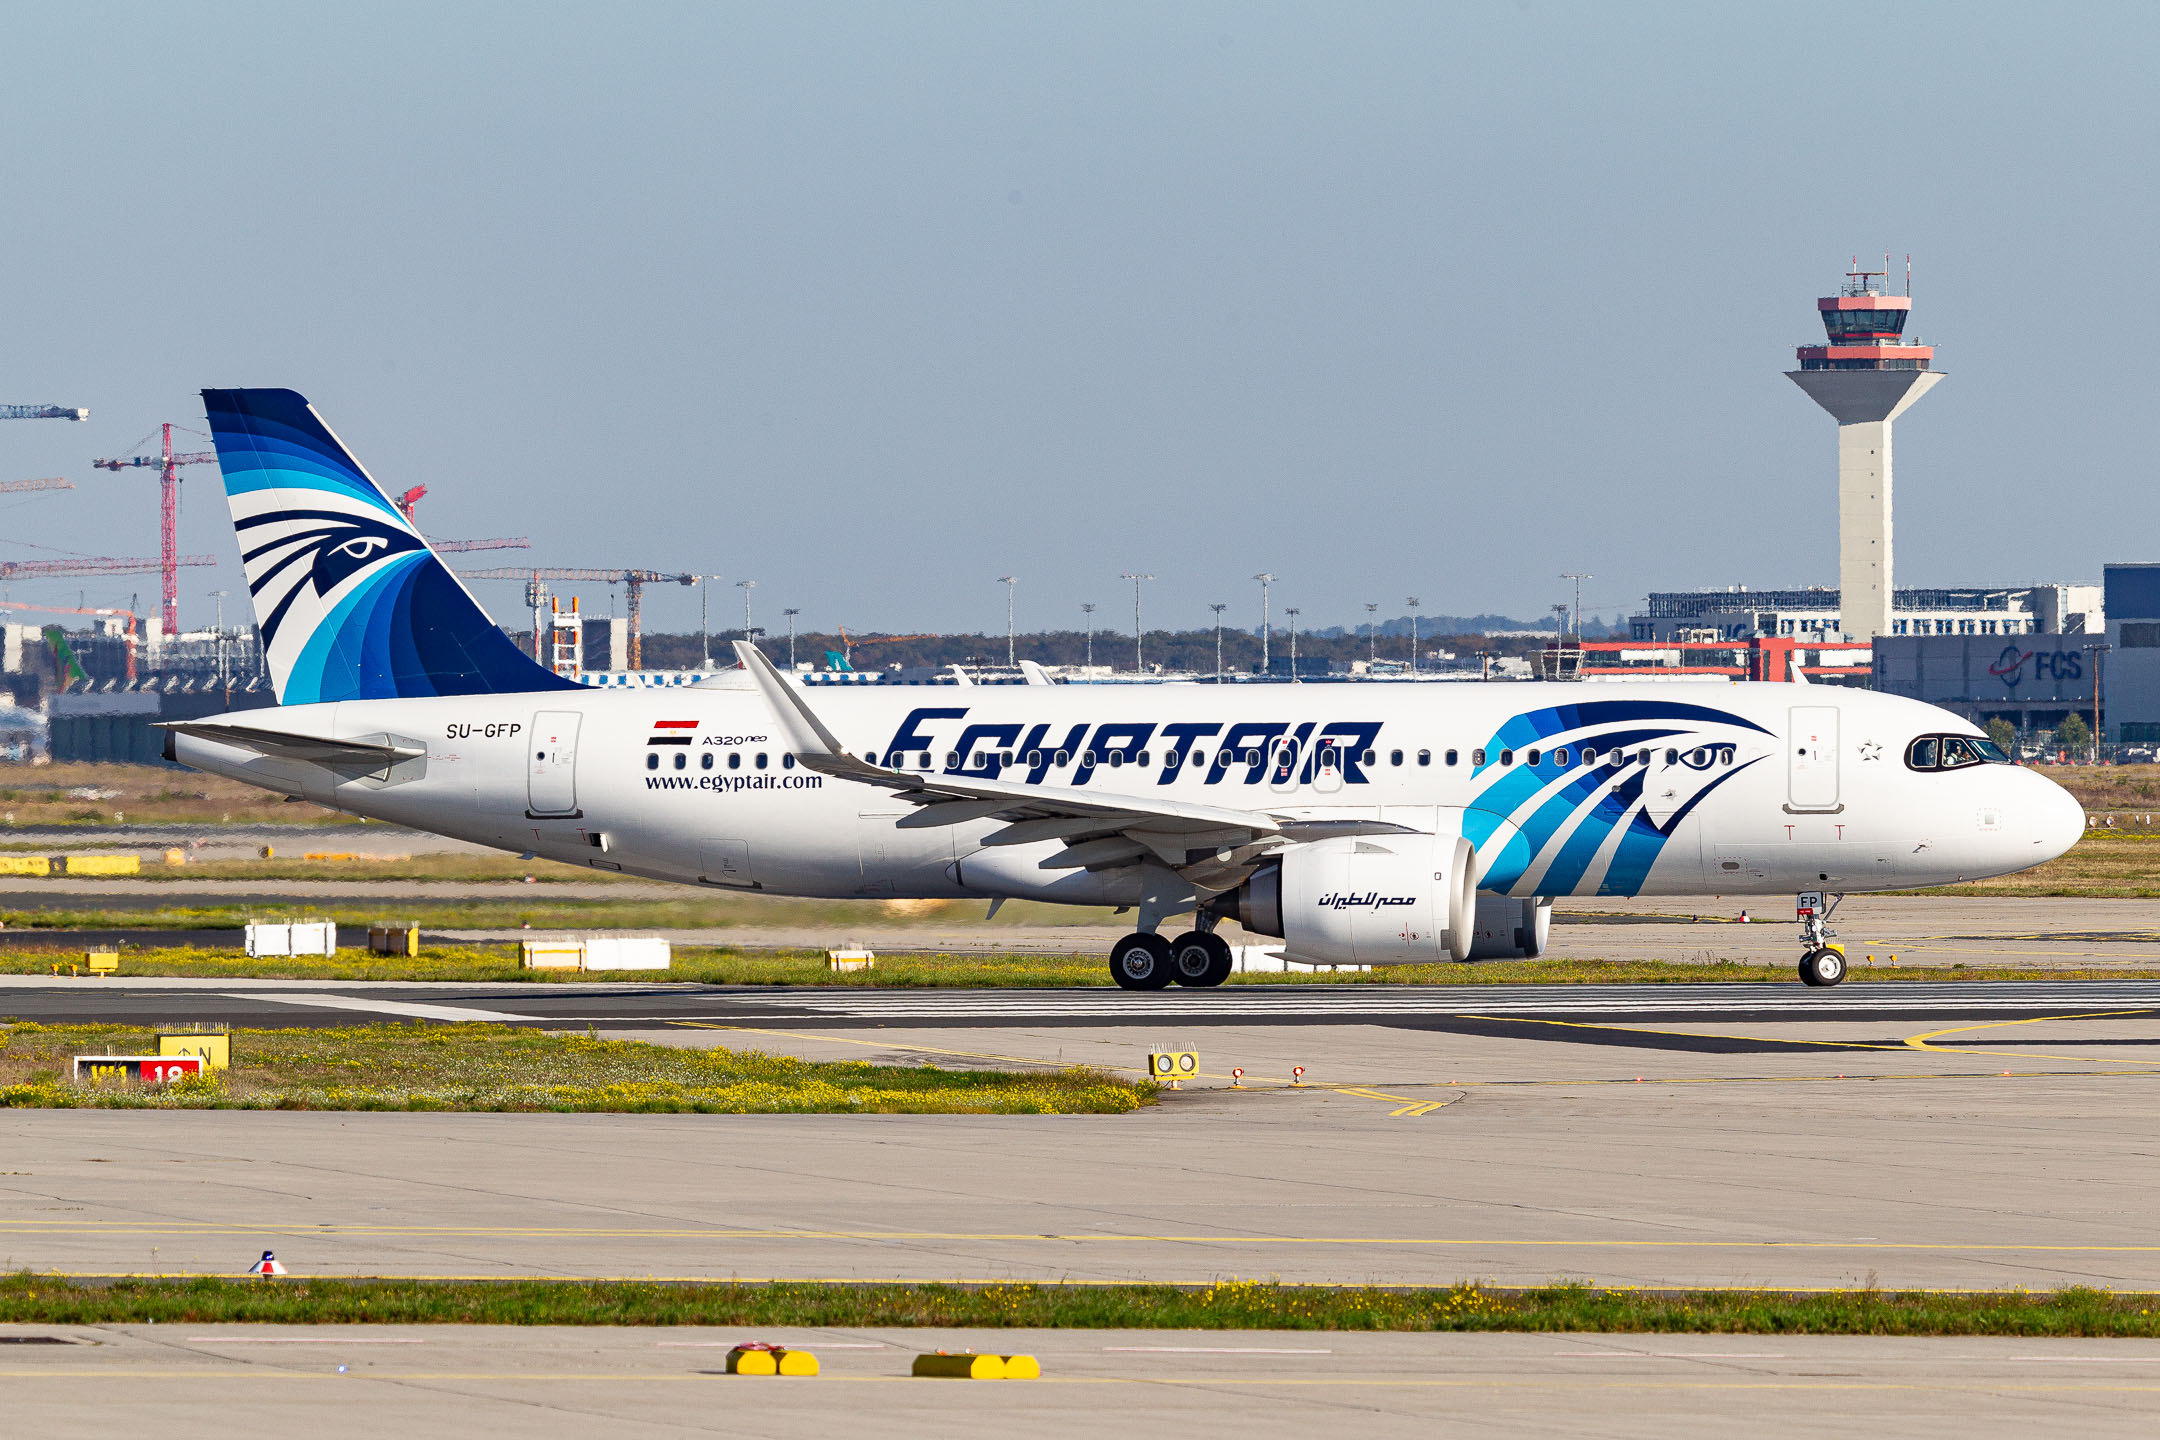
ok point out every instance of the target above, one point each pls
(290, 551)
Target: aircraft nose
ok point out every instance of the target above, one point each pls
(2061, 820)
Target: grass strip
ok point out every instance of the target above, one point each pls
(503, 1068)
(27, 1298)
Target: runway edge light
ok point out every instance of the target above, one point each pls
(267, 1266)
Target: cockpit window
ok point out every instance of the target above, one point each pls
(1953, 752)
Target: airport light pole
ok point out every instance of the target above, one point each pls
(1139, 661)
(2096, 648)
(704, 625)
(1293, 612)
(1578, 578)
(1087, 608)
(1414, 603)
(1266, 578)
(791, 614)
(747, 586)
(219, 596)
(1218, 609)
(1372, 634)
(1009, 581)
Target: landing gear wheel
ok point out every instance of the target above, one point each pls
(1200, 960)
(1141, 962)
(1824, 967)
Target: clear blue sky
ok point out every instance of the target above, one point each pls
(876, 303)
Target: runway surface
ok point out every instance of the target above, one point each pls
(248, 1382)
(151, 1000)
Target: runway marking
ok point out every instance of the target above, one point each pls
(1920, 1042)
(225, 1375)
(297, 1340)
(31, 1227)
(380, 1007)
(1209, 1350)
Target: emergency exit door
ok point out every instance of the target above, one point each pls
(551, 764)
(1811, 758)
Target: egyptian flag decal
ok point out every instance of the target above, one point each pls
(672, 732)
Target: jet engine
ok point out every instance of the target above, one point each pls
(1510, 929)
(1367, 900)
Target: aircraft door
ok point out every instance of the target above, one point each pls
(1811, 759)
(551, 764)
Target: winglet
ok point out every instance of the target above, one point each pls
(1035, 673)
(1798, 675)
(806, 734)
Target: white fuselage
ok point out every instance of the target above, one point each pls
(1739, 789)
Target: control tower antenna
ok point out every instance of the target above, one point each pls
(1869, 373)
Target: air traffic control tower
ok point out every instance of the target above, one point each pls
(1866, 376)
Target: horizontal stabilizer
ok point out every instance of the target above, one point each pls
(284, 745)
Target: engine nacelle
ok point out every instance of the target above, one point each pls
(1510, 929)
(1367, 900)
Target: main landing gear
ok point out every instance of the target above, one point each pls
(1823, 964)
(1198, 958)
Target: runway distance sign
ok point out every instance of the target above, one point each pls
(149, 1069)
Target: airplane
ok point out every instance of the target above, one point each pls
(1357, 824)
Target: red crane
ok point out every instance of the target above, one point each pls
(93, 565)
(412, 497)
(168, 465)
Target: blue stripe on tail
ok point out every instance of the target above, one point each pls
(351, 602)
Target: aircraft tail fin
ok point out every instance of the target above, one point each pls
(351, 602)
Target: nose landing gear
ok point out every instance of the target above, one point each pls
(1823, 964)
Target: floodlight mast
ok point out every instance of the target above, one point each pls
(1139, 660)
(1266, 578)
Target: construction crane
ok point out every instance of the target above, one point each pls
(93, 565)
(412, 498)
(42, 412)
(849, 646)
(52, 482)
(168, 465)
(632, 581)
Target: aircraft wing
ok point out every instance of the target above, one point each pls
(1100, 829)
(285, 745)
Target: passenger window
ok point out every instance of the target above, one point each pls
(1560, 757)
(1117, 758)
(734, 759)
(705, 761)
(1672, 757)
(787, 760)
(869, 757)
(1725, 754)
(1199, 757)
(1924, 753)
(1507, 757)
(682, 761)
(1530, 757)
(1087, 759)
(1252, 757)
(922, 761)
(1394, 757)
(952, 759)
(1064, 757)
(1589, 755)
(761, 759)
(1421, 757)
(1034, 758)
(1372, 756)
(1477, 756)
(1142, 757)
(652, 759)
(1698, 757)
(1642, 757)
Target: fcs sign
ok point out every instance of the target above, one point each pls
(2045, 668)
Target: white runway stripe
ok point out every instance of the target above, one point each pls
(379, 1007)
